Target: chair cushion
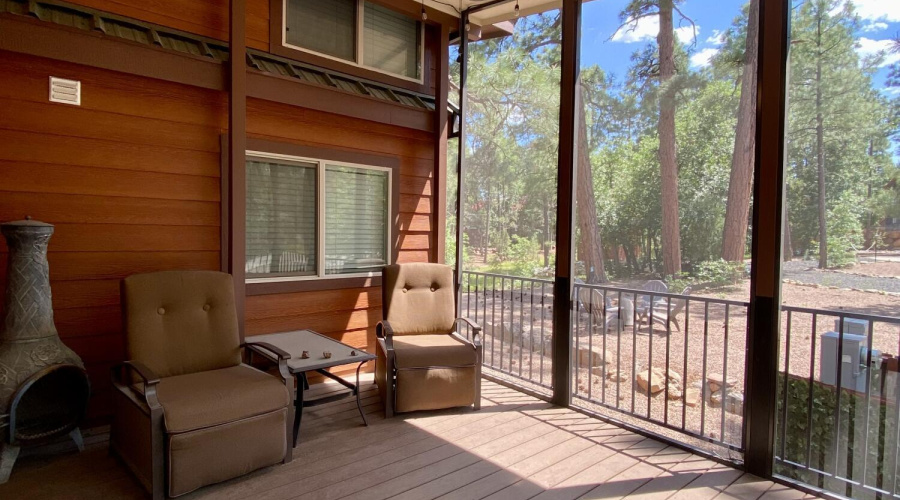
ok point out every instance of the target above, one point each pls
(208, 456)
(205, 399)
(435, 388)
(180, 322)
(420, 351)
(419, 298)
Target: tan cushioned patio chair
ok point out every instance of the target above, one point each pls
(187, 412)
(423, 363)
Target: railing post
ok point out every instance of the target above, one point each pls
(765, 275)
(565, 206)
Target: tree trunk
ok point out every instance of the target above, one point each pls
(820, 157)
(737, 210)
(590, 246)
(671, 231)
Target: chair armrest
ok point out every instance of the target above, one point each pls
(274, 354)
(476, 329)
(384, 331)
(262, 347)
(149, 379)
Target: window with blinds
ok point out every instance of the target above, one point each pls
(324, 26)
(281, 218)
(357, 31)
(390, 41)
(356, 219)
(311, 218)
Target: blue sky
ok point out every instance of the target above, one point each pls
(880, 21)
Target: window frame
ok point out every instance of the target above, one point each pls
(321, 201)
(358, 55)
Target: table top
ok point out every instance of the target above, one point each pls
(294, 343)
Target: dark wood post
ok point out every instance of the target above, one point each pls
(461, 157)
(237, 145)
(768, 206)
(441, 134)
(565, 206)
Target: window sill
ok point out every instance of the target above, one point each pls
(264, 286)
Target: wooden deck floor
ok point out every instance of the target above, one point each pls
(516, 447)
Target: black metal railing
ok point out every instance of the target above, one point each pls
(838, 422)
(516, 316)
(649, 358)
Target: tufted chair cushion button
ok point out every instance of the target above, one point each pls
(161, 311)
(405, 289)
(206, 307)
(433, 289)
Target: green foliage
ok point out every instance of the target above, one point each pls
(809, 438)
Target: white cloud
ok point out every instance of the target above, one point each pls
(703, 58)
(717, 37)
(646, 28)
(874, 10)
(868, 47)
(876, 26)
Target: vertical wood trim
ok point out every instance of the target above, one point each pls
(237, 146)
(565, 206)
(439, 186)
(766, 248)
(461, 148)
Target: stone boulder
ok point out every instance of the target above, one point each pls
(589, 357)
(656, 380)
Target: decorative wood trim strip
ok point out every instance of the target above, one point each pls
(311, 285)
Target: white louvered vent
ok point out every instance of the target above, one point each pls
(65, 91)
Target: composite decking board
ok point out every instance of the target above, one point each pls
(516, 447)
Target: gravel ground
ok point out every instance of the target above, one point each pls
(713, 341)
(876, 268)
(805, 271)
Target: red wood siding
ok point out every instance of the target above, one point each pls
(130, 179)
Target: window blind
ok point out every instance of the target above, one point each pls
(390, 41)
(324, 26)
(281, 218)
(356, 219)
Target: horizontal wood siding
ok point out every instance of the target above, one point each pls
(349, 315)
(130, 179)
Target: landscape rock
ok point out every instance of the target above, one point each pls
(617, 376)
(655, 381)
(719, 379)
(592, 356)
(692, 397)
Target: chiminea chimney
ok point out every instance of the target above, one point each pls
(43, 386)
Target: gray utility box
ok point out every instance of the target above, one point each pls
(853, 356)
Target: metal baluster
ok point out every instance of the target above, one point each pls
(868, 396)
(512, 322)
(493, 318)
(468, 303)
(543, 348)
(650, 355)
(724, 379)
(590, 356)
(502, 318)
(684, 377)
(705, 386)
(521, 326)
(577, 331)
(784, 398)
(838, 386)
(633, 363)
(812, 367)
(531, 334)
(668, 346)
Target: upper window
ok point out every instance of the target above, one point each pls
(356, 31)
(313, 218)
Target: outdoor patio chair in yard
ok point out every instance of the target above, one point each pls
(423, 363)
(187, 412)
(666, 312)
(643, 303)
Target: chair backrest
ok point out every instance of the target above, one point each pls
(179, 322)
(653, 286)
(419, 298)
(678, 304)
